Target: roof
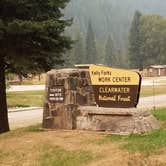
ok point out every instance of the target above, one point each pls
(84, 65)
(157, 66)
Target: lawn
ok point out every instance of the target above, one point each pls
(34, 81)
(25, 99)
(150, 90)
(33, 146)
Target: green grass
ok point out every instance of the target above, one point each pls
(25, 99)
(148, 143)
(148, 90)
(36, 129)
(160, 114)
(139, 143)
(56, 156)
(33, 82)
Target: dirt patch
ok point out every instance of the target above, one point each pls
(160, 157)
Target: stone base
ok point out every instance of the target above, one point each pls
(116, 120)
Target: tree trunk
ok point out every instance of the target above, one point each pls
(39, 77)
(20, 78)
(4, 125)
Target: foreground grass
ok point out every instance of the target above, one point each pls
(26, 146)
(147, 144)
(34, 146)
(47, 155)
(25, 99)
(56, 156)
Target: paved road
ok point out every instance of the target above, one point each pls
(25, 118)
(31, 117)
(150, 102)
(14, 88)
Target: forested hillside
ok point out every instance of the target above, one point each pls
(108, 18)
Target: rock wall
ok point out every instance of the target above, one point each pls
(117, 121)
(77, 91)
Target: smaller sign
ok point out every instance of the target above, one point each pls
(56, 94)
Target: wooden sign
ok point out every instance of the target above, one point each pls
(115, 88)
(56, 94)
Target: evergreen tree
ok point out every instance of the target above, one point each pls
(76, 55)
(153, 33)
(79, 56)
(136, 59)
(91, 53)
(68, 59)
(110, 53)
(31, 39)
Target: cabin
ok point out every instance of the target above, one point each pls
(156, 70)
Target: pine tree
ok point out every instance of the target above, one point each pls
(91, 53)
(79, 50)
(110, 53)
(31, 39)
(136, 59)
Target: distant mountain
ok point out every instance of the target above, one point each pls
(109, 17)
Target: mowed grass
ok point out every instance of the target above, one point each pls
(34, 81)
(25, 99)
(150, 90)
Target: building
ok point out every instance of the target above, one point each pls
(156, 70)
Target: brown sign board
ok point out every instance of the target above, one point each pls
(115, 88)
(56, 94)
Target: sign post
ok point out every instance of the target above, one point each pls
(115, 88)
